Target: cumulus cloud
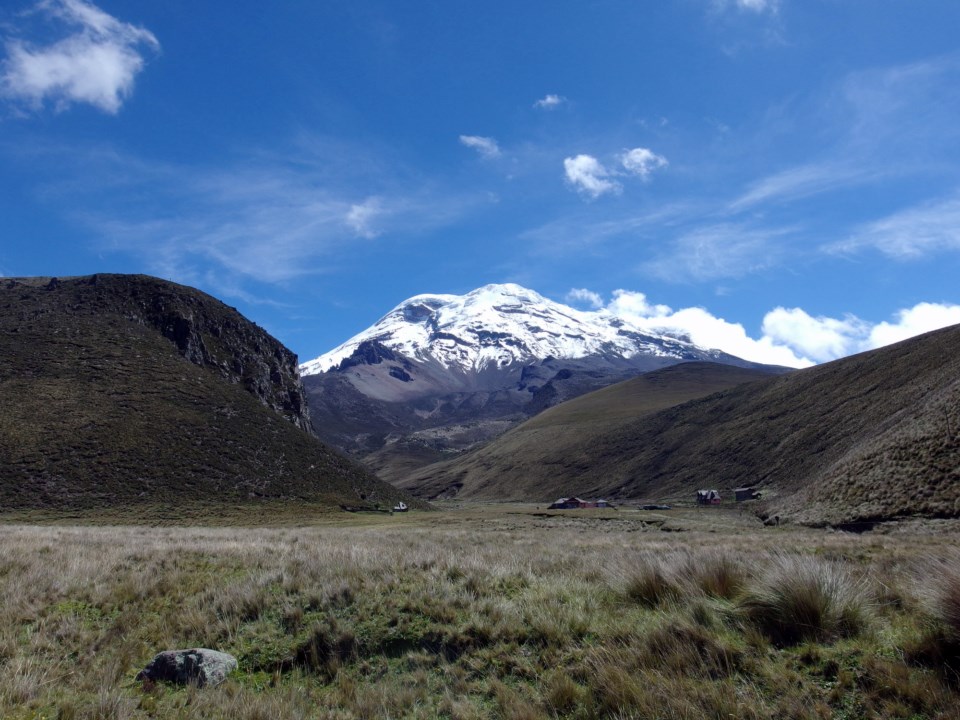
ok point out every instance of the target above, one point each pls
(550, 102)
(592, 178)
(96, 63)
(697, 325)
(818, 338)
(642, 161)
(487, 147)
(584, 296)
(588, 176)
(825, 338)
(790, 337)
(922, 317)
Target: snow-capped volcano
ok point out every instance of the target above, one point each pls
(498, 325)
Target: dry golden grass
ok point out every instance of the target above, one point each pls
(478, 612)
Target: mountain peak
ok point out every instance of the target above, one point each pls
(498, 325)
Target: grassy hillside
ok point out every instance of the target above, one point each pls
(865, 438)
(127, 391)
(552, 453)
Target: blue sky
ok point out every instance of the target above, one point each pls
(779, 178)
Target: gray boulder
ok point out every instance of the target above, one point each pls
(198, 666)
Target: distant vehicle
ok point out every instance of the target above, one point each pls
(400, 507)
(655, 507)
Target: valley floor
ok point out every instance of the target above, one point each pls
(485, 611)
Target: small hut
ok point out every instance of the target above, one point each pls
(708, 497)
(570, 503)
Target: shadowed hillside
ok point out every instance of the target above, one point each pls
(549, 454)
(866, 438)
(128, 390)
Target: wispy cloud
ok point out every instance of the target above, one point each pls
(911, 233)
(802, 181)
(758, 5)
(267, 219)
(96, 63)
(719, 251)
(486, 146)
(550, 102)
(362, 217)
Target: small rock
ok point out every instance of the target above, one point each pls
(199, 666)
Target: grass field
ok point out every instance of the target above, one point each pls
(498, 611)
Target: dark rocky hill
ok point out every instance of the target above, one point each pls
(864, 439)
(123, 390)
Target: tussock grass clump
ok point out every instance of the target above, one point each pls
(652, 582)
(947, 597)
(939, 643)
(684, 648)
(717, 574)
(803, 598)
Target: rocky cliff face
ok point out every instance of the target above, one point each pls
(205, 331)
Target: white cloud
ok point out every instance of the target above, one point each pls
(820, 338)
(790, 337)
(589, 176)
(825, 338)
(95, 64)
(701, 328)
(910, 233)
(550, 102)
(626, 303)
(592, 178)
(641, 161)
(360, 218)
(487, 147)
(922, 317)
(582, 295)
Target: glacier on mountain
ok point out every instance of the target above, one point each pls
(498, 325)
